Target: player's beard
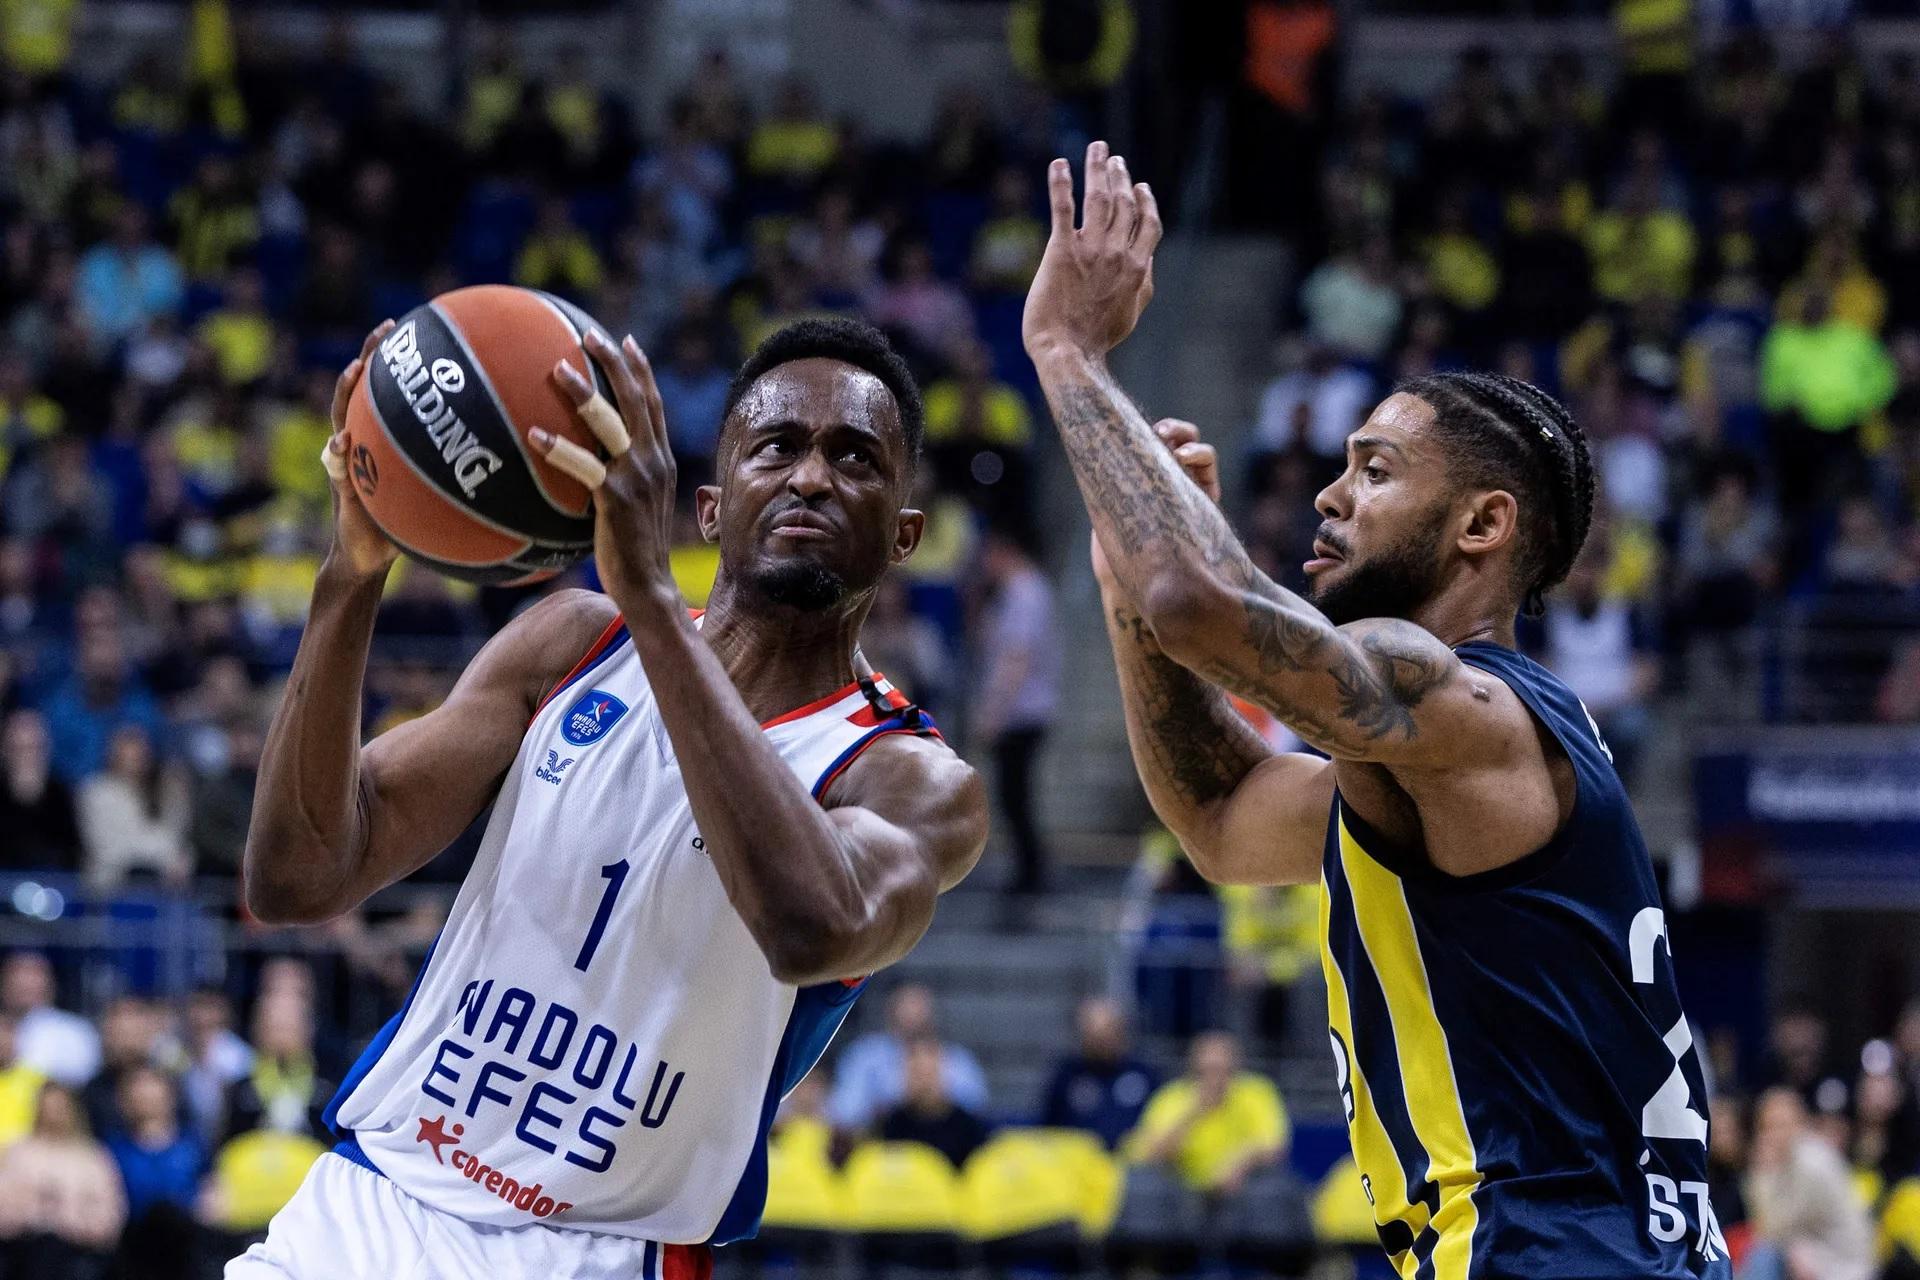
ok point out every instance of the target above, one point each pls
(801, 584)
(1390, 583)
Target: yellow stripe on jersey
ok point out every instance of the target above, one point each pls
(1426, 1064)
(1372, 1148)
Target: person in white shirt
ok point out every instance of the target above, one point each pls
(61, 1046)
(1019, 660)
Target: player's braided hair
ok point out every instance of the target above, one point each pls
(1509, 434)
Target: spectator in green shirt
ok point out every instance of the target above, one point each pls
(1820, 379)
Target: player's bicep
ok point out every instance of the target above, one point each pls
(425, 780)
(1272, 828)
(913, 820)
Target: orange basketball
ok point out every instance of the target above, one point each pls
(437, 434)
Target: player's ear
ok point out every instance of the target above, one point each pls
(1490, 522)
(706, 510)
(907, 530)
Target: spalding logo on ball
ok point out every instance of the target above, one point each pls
(437, 434)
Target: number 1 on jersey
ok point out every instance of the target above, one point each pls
(615, 874)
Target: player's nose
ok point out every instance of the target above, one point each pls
(811, 476)
(1331, 502)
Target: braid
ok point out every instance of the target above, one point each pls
(1512, 434)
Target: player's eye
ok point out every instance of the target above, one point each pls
(778, 445)
(858, 453)
(1374, 472)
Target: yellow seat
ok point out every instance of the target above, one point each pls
(1341, 1211)
(803, 1190)
(1025, 1180)
(901, 1187)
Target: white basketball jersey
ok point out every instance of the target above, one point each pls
(595, 1040)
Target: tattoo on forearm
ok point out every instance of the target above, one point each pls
(1196, 745)
(1149, 515)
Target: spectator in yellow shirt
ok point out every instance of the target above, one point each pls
(19, 1086)
(214, 222)
(239, 333)
(37, 35)
(26, 415)
(1462, 269)
(1273, 939)
(1216, 1125)
(558, 256)
(795, 143)
(1640, 249)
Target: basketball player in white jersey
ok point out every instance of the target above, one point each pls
(705, 832)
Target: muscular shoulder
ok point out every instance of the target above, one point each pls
(920, 784)
(542, 643)
(1441, 712)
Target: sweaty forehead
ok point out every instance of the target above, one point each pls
(819, 392)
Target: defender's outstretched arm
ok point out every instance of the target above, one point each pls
(1382, 690)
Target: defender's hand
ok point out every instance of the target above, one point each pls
(357, 540)
(1093, 282)
(633, 490)
(1201, 461)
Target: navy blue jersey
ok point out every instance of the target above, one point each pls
(1521, 1087)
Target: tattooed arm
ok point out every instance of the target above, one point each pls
(1383, 690)
(1244, 813)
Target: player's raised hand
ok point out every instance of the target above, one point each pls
(1094, 279)
(357, 540)
(1201, 462)
(633, 490)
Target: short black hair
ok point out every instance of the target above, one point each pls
(1504, 433)
(849, 341)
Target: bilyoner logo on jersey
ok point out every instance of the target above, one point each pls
(588, 720)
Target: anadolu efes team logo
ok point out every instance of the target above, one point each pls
(588, 719)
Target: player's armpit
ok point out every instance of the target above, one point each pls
(334, 822)
(1272, 828)
(911, 817)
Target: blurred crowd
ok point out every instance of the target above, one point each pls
(161, 1136)
(1712, 254)
(193, 250)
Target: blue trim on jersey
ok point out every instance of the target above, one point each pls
(650, 1262)
(349, 1149)
(896, 724)
(817, 1014)
(613, 646)
(371, 1054)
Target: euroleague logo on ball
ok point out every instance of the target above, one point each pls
(366, 474)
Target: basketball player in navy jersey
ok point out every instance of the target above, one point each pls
(705, 832)
(1521, 1088)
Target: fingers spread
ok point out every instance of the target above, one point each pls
(626, 386)
(569, 457)
(1126, 210)
(1060, 196)
(604, 421)
(1096, 196)
(1146, 235)
(649, 389)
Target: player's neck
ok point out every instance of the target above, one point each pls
(1458, 622)
(780, 658)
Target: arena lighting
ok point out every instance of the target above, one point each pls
(42, 902)
(1876, 1057)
